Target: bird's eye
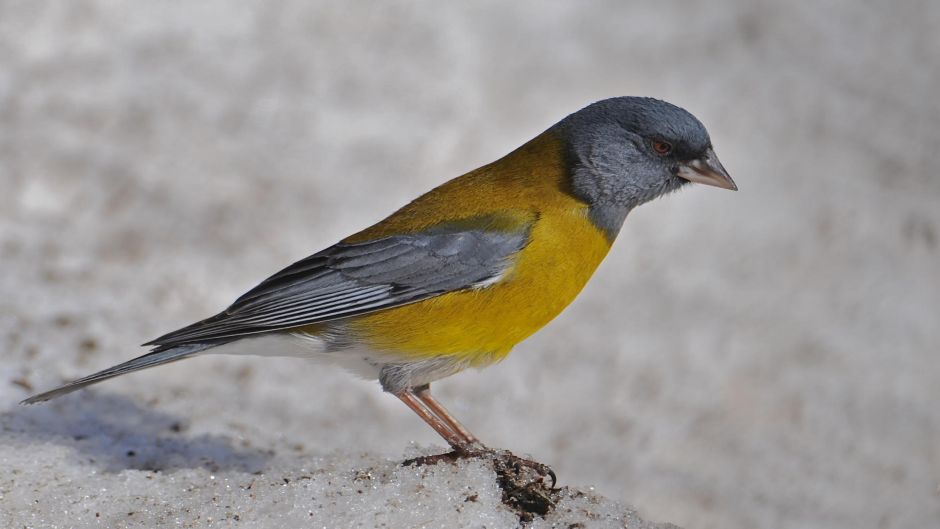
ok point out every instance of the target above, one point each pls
(662, 147)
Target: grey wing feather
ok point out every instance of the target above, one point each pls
(350, 279)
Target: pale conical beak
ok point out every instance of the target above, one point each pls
(707, 170)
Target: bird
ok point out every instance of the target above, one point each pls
(459, 276)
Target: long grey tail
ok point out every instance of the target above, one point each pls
(155, 358)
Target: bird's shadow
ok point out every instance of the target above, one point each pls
(115, 433)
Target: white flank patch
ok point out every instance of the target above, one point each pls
(360, 362)
(491, 281)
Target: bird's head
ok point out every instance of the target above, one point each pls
(624, 151)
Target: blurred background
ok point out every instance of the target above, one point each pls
(767, 358)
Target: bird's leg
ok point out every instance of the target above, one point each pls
(424, 394)
(453, 438)
(464, 443)
(473, 445)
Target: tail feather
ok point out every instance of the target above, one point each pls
(155, 358)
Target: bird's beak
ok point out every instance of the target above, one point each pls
(707, 170)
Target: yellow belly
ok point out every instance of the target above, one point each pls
(480, 326)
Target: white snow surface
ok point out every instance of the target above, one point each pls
(766, 358)
(208, 483)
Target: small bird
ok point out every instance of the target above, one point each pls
(463, 273)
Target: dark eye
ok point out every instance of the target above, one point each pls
(662, 147)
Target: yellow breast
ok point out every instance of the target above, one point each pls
(481, 325)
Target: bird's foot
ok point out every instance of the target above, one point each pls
(448, 457)
(503, 461)
(459, 452)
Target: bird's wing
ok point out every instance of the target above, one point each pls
(348, 279)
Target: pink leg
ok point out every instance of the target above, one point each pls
(424, 394)
(454, 439)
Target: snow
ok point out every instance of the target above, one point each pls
(175, 482)
(765, 358)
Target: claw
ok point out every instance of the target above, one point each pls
(554, 478)
(540, 468)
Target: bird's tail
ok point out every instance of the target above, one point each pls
(152, 359)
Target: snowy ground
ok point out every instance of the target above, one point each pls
(766, 358)
(243, 489)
